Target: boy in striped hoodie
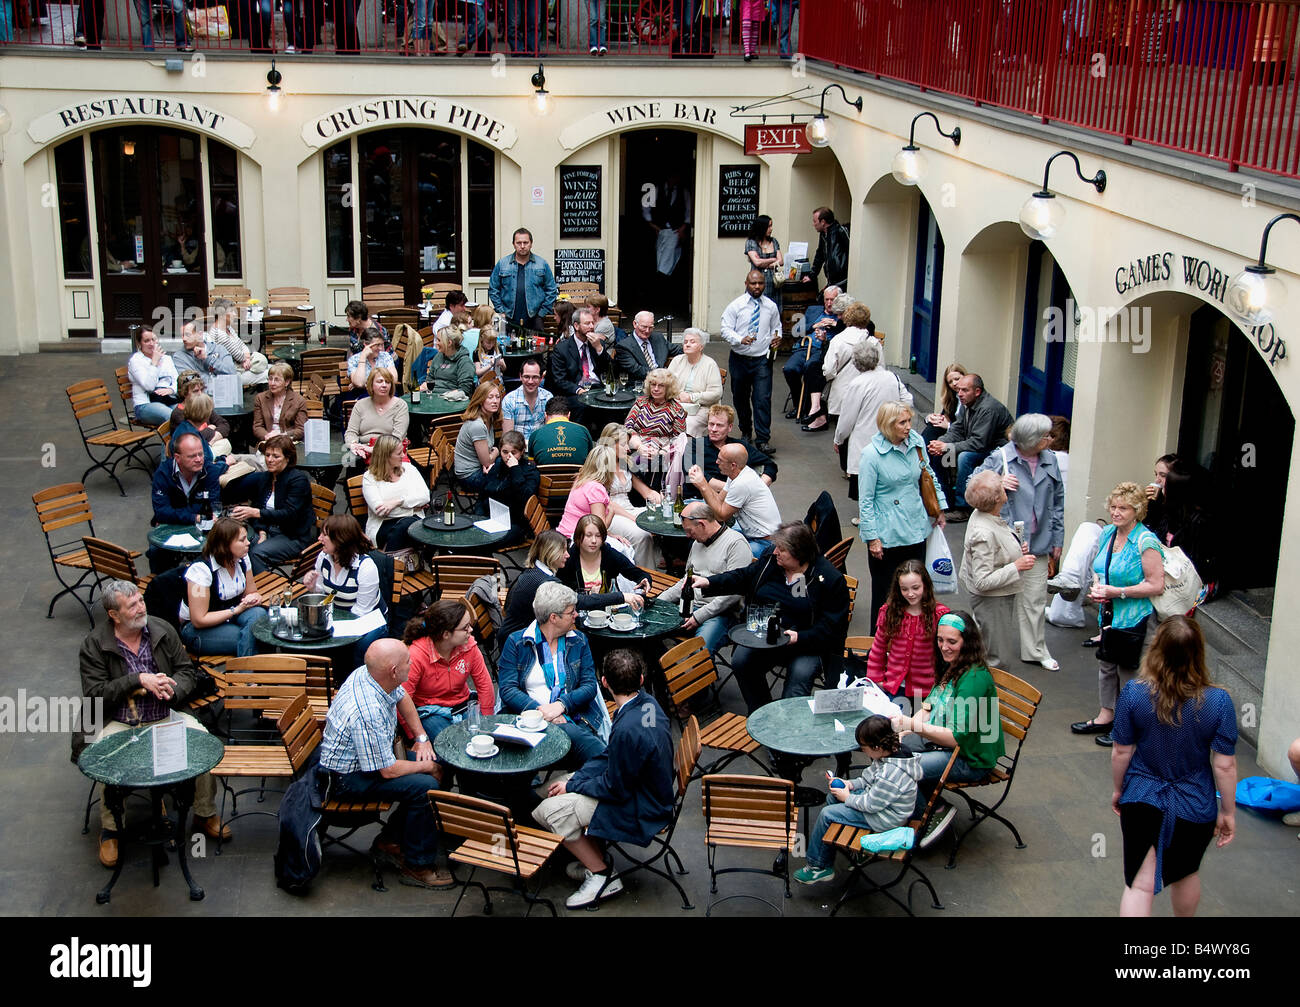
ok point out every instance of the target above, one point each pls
(882, 798)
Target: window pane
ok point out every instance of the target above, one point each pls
(223, 176)
(437, 179)
(178, 188)
(482, 164)
(481, 219)
(381, 163)
(338, 209)
(74, 217)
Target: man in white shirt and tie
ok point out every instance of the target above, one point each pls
(750, 323)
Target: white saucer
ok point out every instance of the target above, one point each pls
(530, 730)
(622, 627)
(474, 755)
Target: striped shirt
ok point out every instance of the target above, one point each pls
(359, 731)
(526, 418)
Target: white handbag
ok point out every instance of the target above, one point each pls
(1182, 585)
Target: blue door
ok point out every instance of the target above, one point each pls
(1048, 349)
(926, 291)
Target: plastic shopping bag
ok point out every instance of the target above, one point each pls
(938, 561)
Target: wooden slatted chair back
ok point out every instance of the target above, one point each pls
(357, 500)
(554, 487)
(314, 408)
(448, 426)
(128, 398)
(110, 561)
(89, 399)
(390, 318)
(453, 575)
(1017, 703)
(852, 584)
(751, 811)
(440, 292)
(688, 669)
(687, 754)
(857, 646)
(483, 628)
(538, 522)
(267, 682)
(282, 329)
(238, 295)
(474, 818)
(60, 507)
(287, 297)
(322, 501)
(379, 296)
(320, 682)
(838, 554)
(300, 732)
(323, 362)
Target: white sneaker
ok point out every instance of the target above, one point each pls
(939, 822)
(1291, 818)
(586, 894)
(289, 49)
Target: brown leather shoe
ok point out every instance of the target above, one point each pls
(212, 828)
(388, 851)
(426, 877)
(108, 849)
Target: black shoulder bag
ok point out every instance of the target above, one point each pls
(1118, 646)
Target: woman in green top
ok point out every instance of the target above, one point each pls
(960, 712)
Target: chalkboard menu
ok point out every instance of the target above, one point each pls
(580, 265)
(580, 201)
(737, 199)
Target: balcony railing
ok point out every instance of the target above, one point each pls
(1215, 78)
(395, 27)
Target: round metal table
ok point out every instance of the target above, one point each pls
(658, 618)
(652, 520)
(289, 353)
(599, 407)
(318, 464)
(340, 638)
(124, 762)
(742, 636)
(434, 404)
(471, 539)
(451, 743)
(241, 423)
(159, 534)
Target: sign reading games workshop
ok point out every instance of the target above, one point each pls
(409, 111)
(171, 110)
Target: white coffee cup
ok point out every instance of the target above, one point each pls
(597, 618)
(481, 744)
(531, 719)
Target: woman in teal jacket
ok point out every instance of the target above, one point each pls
(891, 515)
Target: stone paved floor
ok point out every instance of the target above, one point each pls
(1070, 866)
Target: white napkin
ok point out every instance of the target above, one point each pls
(838, 725)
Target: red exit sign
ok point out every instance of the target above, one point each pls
(789, 139)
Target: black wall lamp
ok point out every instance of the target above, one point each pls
(909, 165)
(273, 91)
(1256, 293)
(821, 130)
(1041, 216)
(541, 97)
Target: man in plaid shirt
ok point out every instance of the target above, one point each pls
(357, 749)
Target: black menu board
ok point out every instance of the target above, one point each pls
(737, 199)
(580, 265)
(580, 201)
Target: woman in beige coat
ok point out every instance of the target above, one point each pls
(992, 560)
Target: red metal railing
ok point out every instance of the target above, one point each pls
(560, 27)
(1217, 78)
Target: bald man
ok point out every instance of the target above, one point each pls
(751, 324)
(744, 496)
(641, 352)
(357, 750)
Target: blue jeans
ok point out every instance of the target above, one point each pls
(146, 24)
(759, 547)
(523, 18)
(752, 666)
(233, 637)
(752, 383)
(411, 819)
(932, 763)
(155, 413)
(785, 17)
(596, 24)
(835, 813)
(967, 462)
(714, 631)
(586, 745)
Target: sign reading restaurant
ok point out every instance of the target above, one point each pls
(171, 109)
(409, 110)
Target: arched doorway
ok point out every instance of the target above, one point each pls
(1049, 347)
(658, 201)
(1237, 430)
(149, 197)
(927, 290)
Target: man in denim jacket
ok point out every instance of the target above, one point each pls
(525, 303)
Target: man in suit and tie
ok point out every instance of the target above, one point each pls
(580, 362)
(644, 350)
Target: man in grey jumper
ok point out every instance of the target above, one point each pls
(715, 549)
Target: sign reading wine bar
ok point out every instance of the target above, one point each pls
(579, 201)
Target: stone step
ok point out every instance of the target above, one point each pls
(1245, 684)
(1233, 627)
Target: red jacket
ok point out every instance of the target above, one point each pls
(907, 659)
(435, 682)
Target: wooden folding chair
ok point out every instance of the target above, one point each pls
(263, 684)
(848, 839)
(59, 509)
(838, 554)
(751, 812)
(278, 330)
(109, 561)
(1017, 703)
(128, 400)
(538, 522)
(390, 318)
(554, 487)
(660, 581)
(93, 410)
(380, 296)
(685, 758)
(492, 842)
(322, 502)
(688, 672)
(287, 298)
(323, 363)
(453, 575)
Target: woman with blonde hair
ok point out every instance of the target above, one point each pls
(591, 490)
(622, 523)
(657, 417)
(486, 355)
(1175, 739)
(396, 495)
(1127, 573)
(475, 451)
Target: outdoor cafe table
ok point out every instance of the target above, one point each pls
(652, 520)
(317, 464)
(241, 422)
(658, 619)
(451, 743)
(289, 353)
(159, 534)
(124, 762)
(434, 404)
(341, 640)
(599, 407)
(433, 534)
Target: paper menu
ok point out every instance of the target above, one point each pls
(517, 737)
(360, 627)
(797, 250)
(227, 392)
(499, 520)
(170, 748)
(316, 437)
(184, 540)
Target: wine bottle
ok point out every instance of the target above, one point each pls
(774, 624)
(686, 603)
(205, 516)
(678, 507)
(448, 511)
